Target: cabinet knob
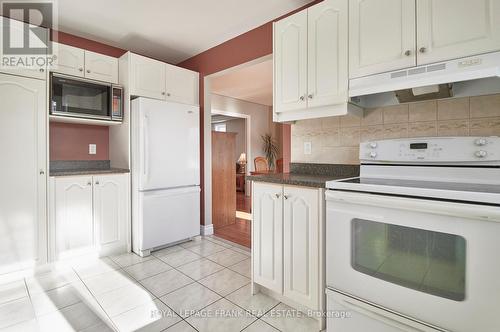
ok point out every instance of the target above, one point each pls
(42, 172)
(88, 71)
(168, 94)
(286, 196)
(422, 50)
(42, 70)
(310, 96)
(163, 93)
(89, 183)
(97, 183)
(408, 53)
(80, 69)
(277, 195)
(302, 98)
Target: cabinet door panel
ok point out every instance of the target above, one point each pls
(267, 233)
(74, 225)
(147, 77)
(301, 245)
(69, 60)
(381, 36)
(9, 62)
(328, 53)
(110, 213)
(290, 63)
(450, 29)
(23, 185)
(182, 85)
(101, 67)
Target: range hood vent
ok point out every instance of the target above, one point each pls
(471, 76)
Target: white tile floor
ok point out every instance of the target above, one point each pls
(201, 285)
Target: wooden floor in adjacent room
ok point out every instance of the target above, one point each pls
(239, 232)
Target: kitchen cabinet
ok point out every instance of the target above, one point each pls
(155, 79)
(78, 62)
(23, 198)
(38, 69)
(287, 243)
(310, 63)
(89, 214)
(301, 245)
(267, 235)
(101, 67)
(147, 77)
(381, 36)
(450, 29)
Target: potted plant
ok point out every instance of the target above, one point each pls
(271, 150)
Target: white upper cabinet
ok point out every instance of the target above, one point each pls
(155, 79)
(101, 67)
(450, 29)
(327, 57)
(75, 61)
(70, 60)
(290, 58)
(381, 36)
(182, 85)
(267, 229)
(147, 77)
(301, 228)
(36, 70)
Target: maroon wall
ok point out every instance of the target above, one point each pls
(71, 141)
(249, 46)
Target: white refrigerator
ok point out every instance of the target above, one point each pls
(165, 173)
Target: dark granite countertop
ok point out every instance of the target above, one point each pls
(308, 175)
(88, 171)
(315, 181)
(83, 167)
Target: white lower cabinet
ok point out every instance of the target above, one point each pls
(287, 243)
(89, 214)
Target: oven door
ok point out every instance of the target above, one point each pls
(433, 261)
(80, 98)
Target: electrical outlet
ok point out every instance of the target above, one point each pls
(307, 147)
(92, 149)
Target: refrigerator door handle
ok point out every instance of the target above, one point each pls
(146, 145)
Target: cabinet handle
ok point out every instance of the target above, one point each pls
(422, 50)
(97, 183)
(80, 69)
(408, 53)
(42, 172)
(89, 183)
(286, 196)
(302, 98)
(310, 96)
(277, 195)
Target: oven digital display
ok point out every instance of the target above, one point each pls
(418, 146)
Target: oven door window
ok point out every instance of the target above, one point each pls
(423, 260)
(73, 98)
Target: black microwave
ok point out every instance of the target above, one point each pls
(82, 98)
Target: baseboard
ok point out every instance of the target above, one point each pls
(207, 229)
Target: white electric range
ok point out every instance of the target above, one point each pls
(413, 243)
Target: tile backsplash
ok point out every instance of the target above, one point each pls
(335, 140)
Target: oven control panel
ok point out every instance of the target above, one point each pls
(432, 150)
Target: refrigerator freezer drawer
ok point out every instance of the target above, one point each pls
(169, 216)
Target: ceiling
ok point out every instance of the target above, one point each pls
(253, 83)
(169, 30)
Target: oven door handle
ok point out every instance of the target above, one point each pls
(380, 316)
(462, 210)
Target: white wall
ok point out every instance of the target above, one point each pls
(260, 122)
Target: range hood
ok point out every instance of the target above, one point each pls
(465, 77)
